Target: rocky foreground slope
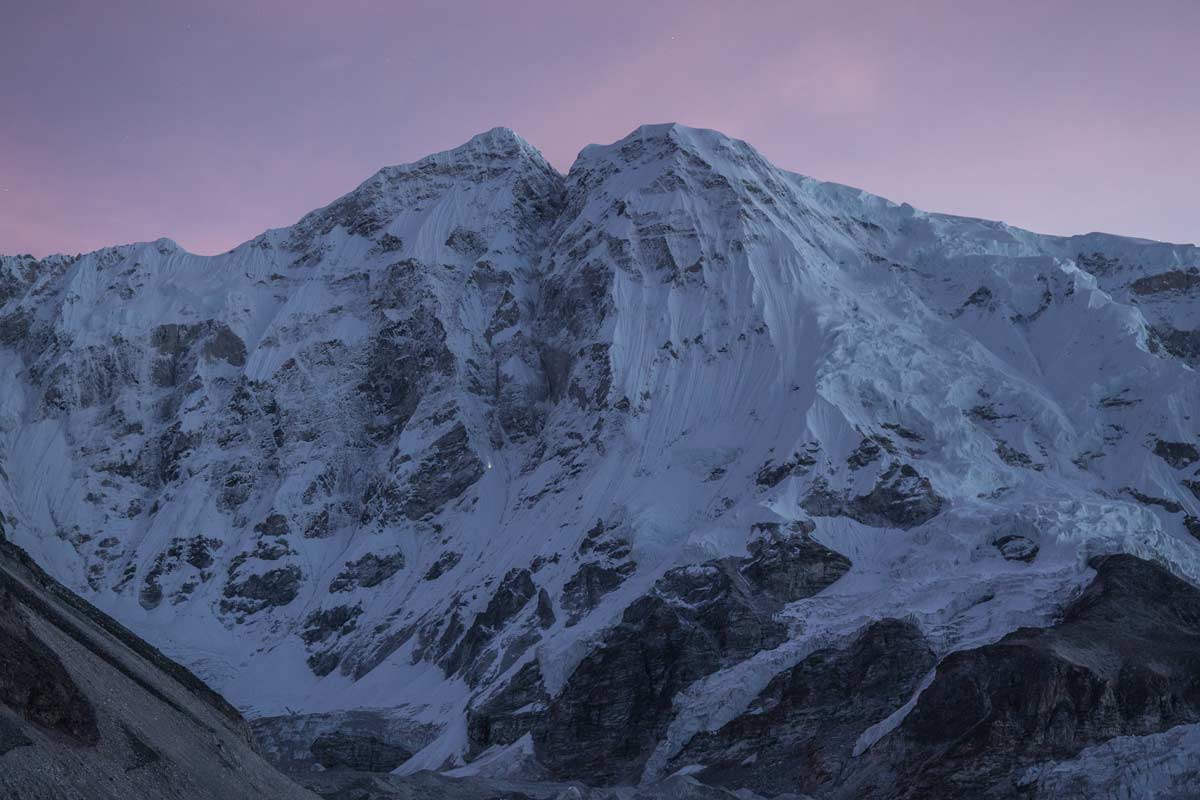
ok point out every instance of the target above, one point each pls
(88, 711)
(679, 462)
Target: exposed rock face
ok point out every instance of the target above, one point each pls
(367, 572)
(510, 713)
(321, 624)
(1121, 662)
(195, 553)
(276, 587)
(445, 562)
(1182, 344)
(799, 734)
(696, 620)
(786, 565)
(902, 498)
(1175, 281)
(443, 475)
(1179, 455)
(605, 565)
(472, 654)
(582, 593)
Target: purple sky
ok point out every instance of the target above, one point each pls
(209, 122)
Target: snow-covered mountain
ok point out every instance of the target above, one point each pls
(676, 462)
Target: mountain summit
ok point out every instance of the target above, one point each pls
(677, 462)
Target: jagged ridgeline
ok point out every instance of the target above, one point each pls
(679, 462)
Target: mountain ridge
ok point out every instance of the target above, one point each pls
(432, 465)
(502, 134)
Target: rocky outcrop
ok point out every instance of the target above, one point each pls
(1181, 343)
(584, 590)
(1175, 281)
(444, 563)
(786, 564)
(177, 353)
(1179, 455)
(405, 358)
(472, 654)
(322, 626)
(799, 734)
(1121, 662)
(509, 713)
(901, 498)
(367, 572)
(697, 619)
(255, 592)
(771, 474)
(194, 552)
(450, 467)
(605, 565)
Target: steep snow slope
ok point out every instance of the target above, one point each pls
(525, 469)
